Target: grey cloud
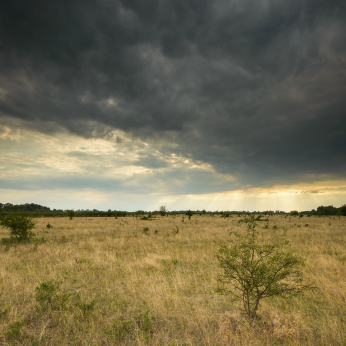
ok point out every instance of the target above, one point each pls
(151, 161)
(254, 88)
(173, 181)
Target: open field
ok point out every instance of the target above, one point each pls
(120, 286)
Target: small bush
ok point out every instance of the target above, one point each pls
(47, 296)
(4, 313)
(255, 269)
(49, 226)
(145, 230)
(84, 306)
(20, 227)
(144, 323)
(14, 330)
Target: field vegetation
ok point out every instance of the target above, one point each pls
(153, 281)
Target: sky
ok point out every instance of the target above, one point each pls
(208, 104)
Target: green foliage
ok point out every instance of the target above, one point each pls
(254, 270)
(86, 307)
(170, 262)
(19, 225)
(145, 230)
(163, 210)
(48, 296)
(328, 210)
(49, 226)
(189, 213)
(4, 313)
(294, 213)
(144, 323)
(126, 328)
(14, 330)
(71, 214)
(121, 329)
(343, 209)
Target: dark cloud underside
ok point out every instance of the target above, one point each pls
(256, 88)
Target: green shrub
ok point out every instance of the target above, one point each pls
(48, 295)
(14, 330)
(145, 230)
(20, 227)
(4, 313)
(254, 270)
(84, 306)
(189, 213)
(71, 214)
(144, 323)
(163, 210)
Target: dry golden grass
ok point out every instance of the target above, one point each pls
(159, 289)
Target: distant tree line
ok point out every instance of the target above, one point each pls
(23, 207)
(37, 210)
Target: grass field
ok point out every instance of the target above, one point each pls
(122, 286)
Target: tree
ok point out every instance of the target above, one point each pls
(294, 213)
(254, 270)
(189, 213)
(339, 213)
(163, 210)
(71, 214)
(343, 209)
(20, 226)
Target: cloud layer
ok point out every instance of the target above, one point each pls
(252, 92)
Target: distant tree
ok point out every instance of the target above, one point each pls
(189, 213)
(71, 214)
(343, 209)
(339, 213)
(19, 225)
(294, 213)
(329, 210)
(163, 210)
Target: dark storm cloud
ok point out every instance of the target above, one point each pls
(256, 88)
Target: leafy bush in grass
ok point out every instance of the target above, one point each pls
(20, 227)
(255, 269)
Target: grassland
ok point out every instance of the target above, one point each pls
(120, 286)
